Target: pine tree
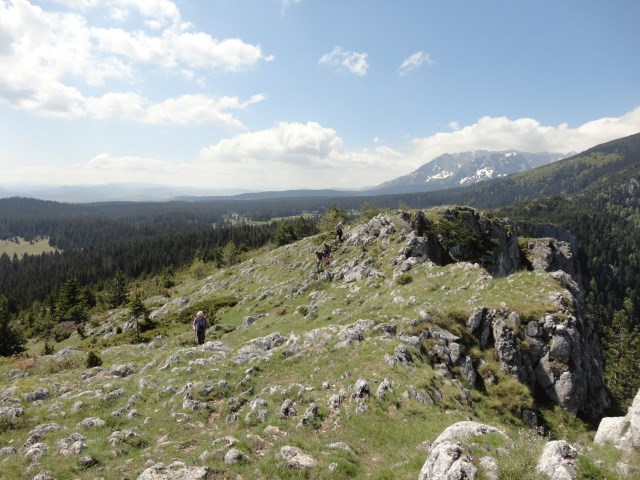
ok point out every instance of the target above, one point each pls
(622, 357)
(117, 290)
(138, 312)
(332, 217)
(11, 339)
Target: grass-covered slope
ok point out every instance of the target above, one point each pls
(334, 363)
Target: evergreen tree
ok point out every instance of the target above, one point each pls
(622, 354)
(11, 339)
(230, 254)
(68, 298)
(332, 217)
(138, 312)
(117, 290)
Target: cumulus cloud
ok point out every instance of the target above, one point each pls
(346, 60)
(414, 62)
(296, 155)
(525, 134)
(50, 59)
(182, 110)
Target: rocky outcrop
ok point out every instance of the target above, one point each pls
(463, 234)
(559, 354)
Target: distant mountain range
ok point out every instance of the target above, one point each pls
(444, 172)
(126, 192)
(466, 168)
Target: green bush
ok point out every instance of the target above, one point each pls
(47, 349)
(92, 360)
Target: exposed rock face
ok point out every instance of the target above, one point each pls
(563, 354)
(464, 234)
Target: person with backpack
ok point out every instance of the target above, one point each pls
(339, 229)
(200, 326)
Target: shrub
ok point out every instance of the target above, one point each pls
(47, 349)
(404, 279)
(92, 360)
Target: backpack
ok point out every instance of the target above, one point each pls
(200, 323)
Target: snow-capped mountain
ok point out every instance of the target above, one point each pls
(460, 169)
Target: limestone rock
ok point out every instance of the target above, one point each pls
(623, 432)
(558, 461)
(296, 458)
(447, 462)
(175, 471)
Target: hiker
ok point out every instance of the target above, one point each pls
(339, 229)
(200, 326)
(322, 256)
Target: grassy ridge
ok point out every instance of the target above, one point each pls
(386, 437)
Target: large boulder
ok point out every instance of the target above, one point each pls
(558, 461)
(623, 432)
(447, 460)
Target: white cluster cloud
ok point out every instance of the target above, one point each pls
(414, 62)
(346, 60)
(182, 110)
(525, 134)
(51, 59)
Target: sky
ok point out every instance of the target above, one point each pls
(263, 95)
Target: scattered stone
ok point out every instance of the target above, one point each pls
(11, 413)
(341, 446)
(92, 422)
(44, 476)
(311, 413)
(114, 394)
(296, 458)
(38, 394)
(122, 370)
(36, 451)
(383, 389)
(176, 471)
(39, 432)
(7, 451)
(287, 409)
(128, 436)
(274, 432)
(361, 389)
(446, 461)
(235, 456)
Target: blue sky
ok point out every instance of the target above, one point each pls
(281, 94)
